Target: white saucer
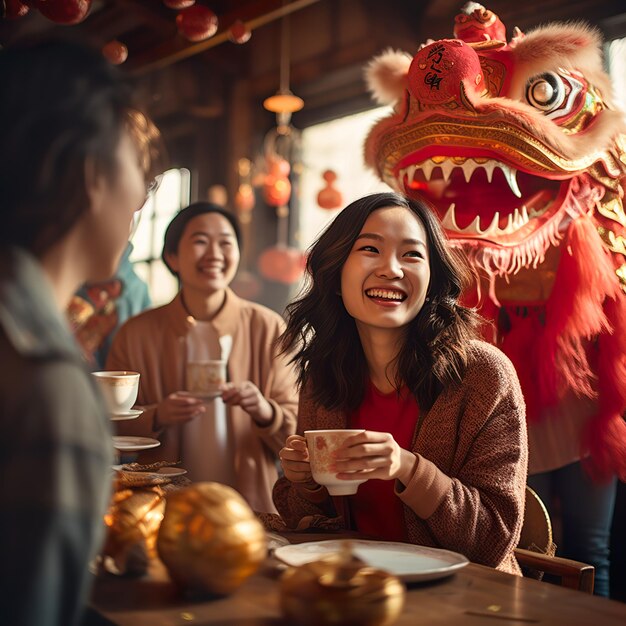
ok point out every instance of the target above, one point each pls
(170, 472)
(126, 415)
(133, 444)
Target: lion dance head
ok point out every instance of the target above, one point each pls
(521, 151)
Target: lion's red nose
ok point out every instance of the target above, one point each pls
(446, 71)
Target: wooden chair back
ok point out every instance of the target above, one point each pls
(536, 550)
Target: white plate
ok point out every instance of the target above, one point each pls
(132, 444)
(408, 562)
(126, 415)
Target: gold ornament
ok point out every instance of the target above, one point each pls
(210, 540)
(340, 590)
(132, 522)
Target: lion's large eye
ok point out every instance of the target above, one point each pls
(545, 92)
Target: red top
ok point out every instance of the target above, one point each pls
(375, 508)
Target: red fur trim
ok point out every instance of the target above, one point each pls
(574, 313)
(605, 435)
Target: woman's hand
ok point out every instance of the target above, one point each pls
(248, 396)
(177, 408)
(294, 458)
(372, 454)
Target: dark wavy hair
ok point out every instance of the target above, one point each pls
(61, 103)
(323, 336)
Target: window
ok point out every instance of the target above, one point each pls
(147, 239)
(336, 145)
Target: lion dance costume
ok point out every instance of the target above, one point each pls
(520, 150)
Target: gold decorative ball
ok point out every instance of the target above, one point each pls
(210, 540)
(340, 590)
(132, 523)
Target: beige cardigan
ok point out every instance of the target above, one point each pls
(153, 343)
(467, 493)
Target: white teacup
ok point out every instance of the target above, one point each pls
(204, 378)
(321, 445)
(119, 389)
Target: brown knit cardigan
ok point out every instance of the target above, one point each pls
(467, 492)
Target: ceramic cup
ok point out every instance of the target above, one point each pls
(321, 445)
(119, 389)
(204, 378)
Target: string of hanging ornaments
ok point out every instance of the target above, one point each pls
(195, 22)
(281, 262)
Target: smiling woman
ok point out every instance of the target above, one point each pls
(232, 439)
(384, 346)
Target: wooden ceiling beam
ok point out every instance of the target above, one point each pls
(254, 15)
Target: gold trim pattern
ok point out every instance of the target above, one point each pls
(489, 132)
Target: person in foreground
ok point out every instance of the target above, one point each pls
(234, 439)
(75, 156)
(383, 344)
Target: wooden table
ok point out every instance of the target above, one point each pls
(475, 595)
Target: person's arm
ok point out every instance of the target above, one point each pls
(295, 500)
(479, 511)
(56, 473)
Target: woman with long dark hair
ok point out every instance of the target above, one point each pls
(382, 344)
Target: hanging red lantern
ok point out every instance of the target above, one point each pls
(196, 23)
(244, 198)
(63, 11)
(329, 197)
(276, 187)
(179, 4)
(14, 9)
(115, 52)
(239, 32)
(282, 264)
(246, 285)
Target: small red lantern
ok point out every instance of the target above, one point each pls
(14, 9)
(66, 12)
(282, 264)
(246, 285)
(115, 52)
(244, 198)
(276, 187)
(239, 32)
(329, 197)
(196, 23)
(179, 4)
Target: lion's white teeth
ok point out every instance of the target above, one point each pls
(427, 168)
(515, 221)
(468, 169)
(510, 175)
(468, 166)
(489, 166)
(448, 222)
(446, 169)
(493, 229)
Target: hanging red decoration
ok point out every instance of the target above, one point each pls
(329, 197)
(196, 23)
(244, 198)
(115, 52)
(276, 187)
(63, 11)
(282, 264)
(239, 32)
(179, 4)
(14, 9)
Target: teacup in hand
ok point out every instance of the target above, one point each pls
(321, 445)
(204, 378)
(119, 389)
